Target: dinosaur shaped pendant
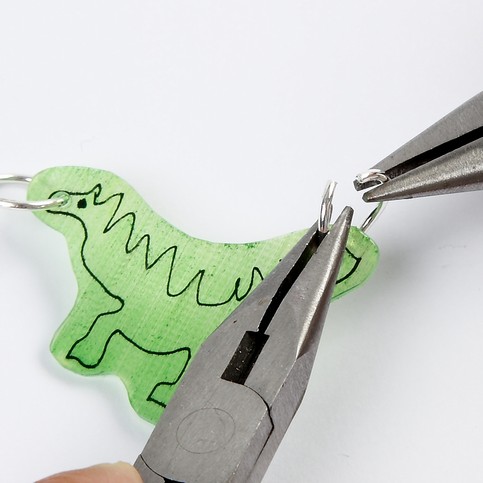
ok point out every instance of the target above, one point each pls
(149, 294)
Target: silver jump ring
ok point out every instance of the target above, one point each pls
(27, 205)
(378, 176)
(326, 208)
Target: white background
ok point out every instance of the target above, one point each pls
(229, 117)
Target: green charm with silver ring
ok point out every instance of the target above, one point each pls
(148, 293)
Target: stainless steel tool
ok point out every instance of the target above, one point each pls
(445, 158)
(246, 383)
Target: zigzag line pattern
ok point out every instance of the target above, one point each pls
(130, 246)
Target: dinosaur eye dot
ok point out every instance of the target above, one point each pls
(82, 203)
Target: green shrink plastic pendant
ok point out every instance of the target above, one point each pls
(149, 294)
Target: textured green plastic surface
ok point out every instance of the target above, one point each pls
(149, 294)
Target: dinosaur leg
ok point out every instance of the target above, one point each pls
(141, 369)
(91, 348)
(162, 392)
(170, 367)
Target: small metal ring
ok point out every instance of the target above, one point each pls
(378, 176)
(27, 205)
(326, 208)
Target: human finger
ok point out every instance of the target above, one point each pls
(105, 473)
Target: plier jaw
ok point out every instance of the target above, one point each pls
(445, 158)
(240, 393)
